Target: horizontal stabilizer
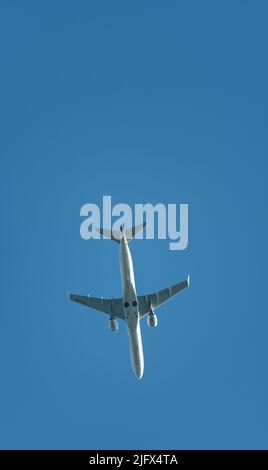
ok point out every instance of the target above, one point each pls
(132, 232)
(113, 235)
(116, 235)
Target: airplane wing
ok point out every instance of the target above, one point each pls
(158, 298)
(109, 306)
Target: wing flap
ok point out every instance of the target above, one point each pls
(159, 297)
(109, 306)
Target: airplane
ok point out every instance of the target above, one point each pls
(131, 307)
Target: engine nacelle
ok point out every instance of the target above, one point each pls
(113, 324)
(152, 319)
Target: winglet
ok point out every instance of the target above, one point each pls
(188, 280)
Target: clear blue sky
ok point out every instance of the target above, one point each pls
(148, 102)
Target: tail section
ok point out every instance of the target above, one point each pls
(116, 236)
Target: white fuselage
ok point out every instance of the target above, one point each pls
(131, 308)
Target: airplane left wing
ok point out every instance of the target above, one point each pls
(109, 306)
(146, 302)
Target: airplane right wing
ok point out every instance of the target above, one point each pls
(109, 306)
(146, 302)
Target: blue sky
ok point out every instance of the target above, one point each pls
(146, 102)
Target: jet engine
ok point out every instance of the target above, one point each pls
(152, 319)
(113, 324)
